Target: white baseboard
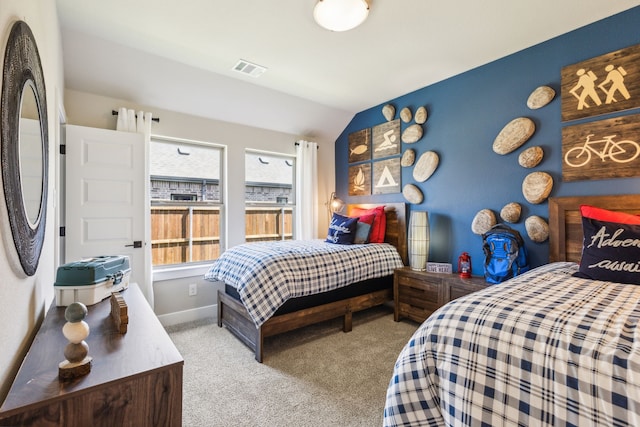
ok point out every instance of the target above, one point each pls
(190, 315)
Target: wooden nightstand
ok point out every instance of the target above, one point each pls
(417, 294)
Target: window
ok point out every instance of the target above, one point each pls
(269, 196)
(184, 197)
(186, 201)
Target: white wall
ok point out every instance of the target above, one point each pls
(24, 300)
(171, 296)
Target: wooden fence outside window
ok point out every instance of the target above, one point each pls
(182, 232)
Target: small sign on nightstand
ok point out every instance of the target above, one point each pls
(439, 267)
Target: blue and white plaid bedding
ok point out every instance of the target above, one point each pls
(544, 348)
(266, 274)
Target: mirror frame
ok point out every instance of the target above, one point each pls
(21, 65)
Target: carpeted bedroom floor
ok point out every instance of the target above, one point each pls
(315, 376)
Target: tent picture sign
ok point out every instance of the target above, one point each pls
(386, 176)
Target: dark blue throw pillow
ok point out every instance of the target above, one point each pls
(342, 230)
(611, 251)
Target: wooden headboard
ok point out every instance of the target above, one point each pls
(565, 222)
(396, 232)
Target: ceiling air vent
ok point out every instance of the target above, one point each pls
(248, 68)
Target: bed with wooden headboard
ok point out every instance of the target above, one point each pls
(565, 222)
(552, 346)
(298, 312)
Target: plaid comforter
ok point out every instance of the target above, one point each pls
(544, 348)
(266, 274)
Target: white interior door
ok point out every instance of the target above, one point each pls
(106, 199)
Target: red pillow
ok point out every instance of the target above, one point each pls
(600, 214)
(379, 226)
(367, 219)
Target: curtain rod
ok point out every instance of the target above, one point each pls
(153, 119)
(297, 143)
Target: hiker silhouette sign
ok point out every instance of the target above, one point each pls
(601, 149)
(601, 85)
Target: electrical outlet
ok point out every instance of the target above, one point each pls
(193, 289)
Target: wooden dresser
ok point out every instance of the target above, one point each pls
(135, 379)
(417, 294)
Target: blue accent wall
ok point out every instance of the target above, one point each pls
(466, 113)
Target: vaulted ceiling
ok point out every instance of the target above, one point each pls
(179, 55)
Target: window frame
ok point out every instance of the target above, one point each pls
(197, 268)
(292, 204)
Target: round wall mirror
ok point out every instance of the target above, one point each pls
(24, 145)
(30, 152)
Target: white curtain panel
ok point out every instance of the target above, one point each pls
(143, 126)
(131, 121)
(123, 120)
(306, 218)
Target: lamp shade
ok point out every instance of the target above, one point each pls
(418, 240)
(340, 15)
(335, 204)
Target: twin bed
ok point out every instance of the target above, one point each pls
(545, 348)
(271, 289)
(553, 346)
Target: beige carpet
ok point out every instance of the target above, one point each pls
(315, 376)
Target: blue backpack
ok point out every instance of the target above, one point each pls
(505, 255)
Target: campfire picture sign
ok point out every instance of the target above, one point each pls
(360, 180)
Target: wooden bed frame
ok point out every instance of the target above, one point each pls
(565, 222)
(233, 315)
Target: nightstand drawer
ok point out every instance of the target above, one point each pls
(461, 287)
(417, 294)
(414, 312)
(420, 294)
(457, 291)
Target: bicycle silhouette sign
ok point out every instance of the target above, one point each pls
(605, 148)
(602, 149)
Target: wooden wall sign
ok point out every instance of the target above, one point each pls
(360, 146)
(360, 180)
(600, 85)
(602, 149)
(386, 139)
(386, 176)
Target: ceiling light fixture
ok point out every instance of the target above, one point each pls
(340, 15)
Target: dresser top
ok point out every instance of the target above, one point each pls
(144, 348)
